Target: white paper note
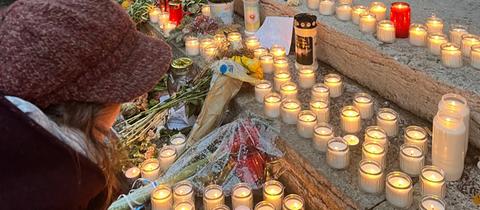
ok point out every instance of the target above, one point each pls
(276, 30)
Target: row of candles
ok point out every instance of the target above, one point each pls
(372, 20)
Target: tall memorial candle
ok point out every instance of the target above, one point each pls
(400, 16)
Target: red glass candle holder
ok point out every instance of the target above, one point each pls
(163, 4)
(176, 12)
(400, 16)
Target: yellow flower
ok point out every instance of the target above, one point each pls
(126, 4)
(252, 65)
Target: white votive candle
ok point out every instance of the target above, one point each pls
(279, 78)
(412, 159)
(417, 136)
(167, 28)
(235, 40)
(374, 151)
(434, 24)
(163, 18)
(334, 84)
(344, 12)
(364, 103)
(262, 88)
(293, 202)
(267, 63)
(350, 119)
(167, 156)
(475, 56)
(376, 134)
(451, 55)
(289, 90)
(456, 32)
(150, 169)
(371, 178)
(280, 64)
(367, 23)
(326, 7)
(432, 181)
(379, 9)
(306, 77)
(213, 196)
(432, 202)
(351, 140)
(418, 35)
(278, 51)
(161, 198)
(457, 104)
(468, 40)
(264, 205)
(185, 205)
(220, 39)
(273, 193)
(252, 43)
(337, 153)
(320, 91)
(183, 192)
(399, 189)
(242, 196)
(387, 119)
(221, 207)
(323, 132)
(386, 31)
(192, 46)
(132, 174)
(357, 11)
(153, 14)
(259, 52)
(204, 43)
(313, 4)
(306, 123)
(290, 110)
(178, 141)
(434, 41)
(206, 10)
(321, 109)
(271, 105)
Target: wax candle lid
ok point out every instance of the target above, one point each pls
(399, 180)
(306, 70)
(291, 104)
(433, 174)
(377, 4)
(184, 205)
(367, 15)
(273, 187)
(272, 98)
(307, 116)
(320, 87)
(351, 140)
(264, 205)
(161, 192)
(323, 129)
(267, 56)
(263, 84)
(452, 101)
(418, 26)
(411, 150)
(183, 188)
(288, 86)
(387, 114)
(132, 172)
(458, 27)
(350, 111)
(375, 132)
(449, 47)
(167, 151)
(432, 202)
(178, 139)
(293, 202)
(370, 167)
(149, 165)
(363, 98)
(373, 148)
(337, 144)
(332, 78)
(212, 191)
(241, 190)
(386, 23)
(416, 132)
(305, 21)
(319, 104)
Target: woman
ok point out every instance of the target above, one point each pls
(65, 67)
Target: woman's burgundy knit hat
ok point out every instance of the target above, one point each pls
(54, 51)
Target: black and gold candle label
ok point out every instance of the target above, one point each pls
(304, 50)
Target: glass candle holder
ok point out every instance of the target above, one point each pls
(457, 104)
(264, 205)
(251, 14)
(313, 4)
(167, 28)
(204, 43)
(150, 169)
(167, 156)
(176, 12)
(475, 56)
(434, 41)
(451, 55)
(252, 43)
(326, 7)
(374, 151)
(335, 84)
(387, 119)
(161, 198)
(400, 16)
(379, 10)
(386, 31)
(153, 14)
(220, 39)
(280, 64)
(272, 104)
(163, 18)
(279, 78)
(432, 202)
(306, 77)
(235, 40)
(183, 192)
(306, 123)
(289, 111)
(351, 140)
(213, 196)
(289, 90)
(222, 207)
(418, 35)
(364, 103)
(320, 91)
(262, 88)
(185, 205)
(192, 46)
(206, 10)
(434, 24)
(178, 141)
(357, 11)
(376, 134)
(132, 174)
(368, 23)
(412, 159)
(432, 181)
(278, 51)
(344, 12)
(321, 109)
(456, 32)
(468, 40)
(259, 52)
(242, 196)
(293, 202)
(273, 193)
(267, 63)
(399, 189)
(371, 178)
(338, 153)
(350, 119)
(417, 136)
(323, 132)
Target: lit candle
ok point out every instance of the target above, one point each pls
(326, 7)
(273, 193)
(457, 104)
(280, 64)
(337, 153)
(374, 151)
(183, 192)
(323, 132)
(242, 196)
(357, 11)
(432, 181)
(371, 179)
(399, 190)
(206, 10)
(448, 144)
(367, 23)
(306, 123)
(271, 105)
(153, 15)
(213, 197)
(150, 169)
(475, 56)
(321, 109)
(430, 202)
(220, 39)
(192, 46)
(280, 77)
(278, 51)
(204, 43)
(350, 119)
(386, 31)
(379, 10)
(185, 205)
(293, 202)
(344, 12)
(161, 198)
(364, 103)
(434, 41)
(400, 16)
(451, 55)
(167, 27)
(387, 119)
(259, 52)
(434, 24)
(222, 207)
(163, 18)
(264, 205)
(320, 92)
(377, 135)
(167, 156)
(417, 136)
(235, 40)
(132, 174)
(313, 4)
(418, 35)
(290, 110)
(334, 84)
(178, 141)
(412, 159)
(267, 63)
(456, 32)
(210, 52)
(289, 90)
(252, 43)
(468, 40)
(351, 140)
(263, 88)
(306, 77)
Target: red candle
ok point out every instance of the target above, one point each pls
(400, 16)
(176, 12)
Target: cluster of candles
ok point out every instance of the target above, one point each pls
(182, 197)
(161, 17)
(372, 19)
